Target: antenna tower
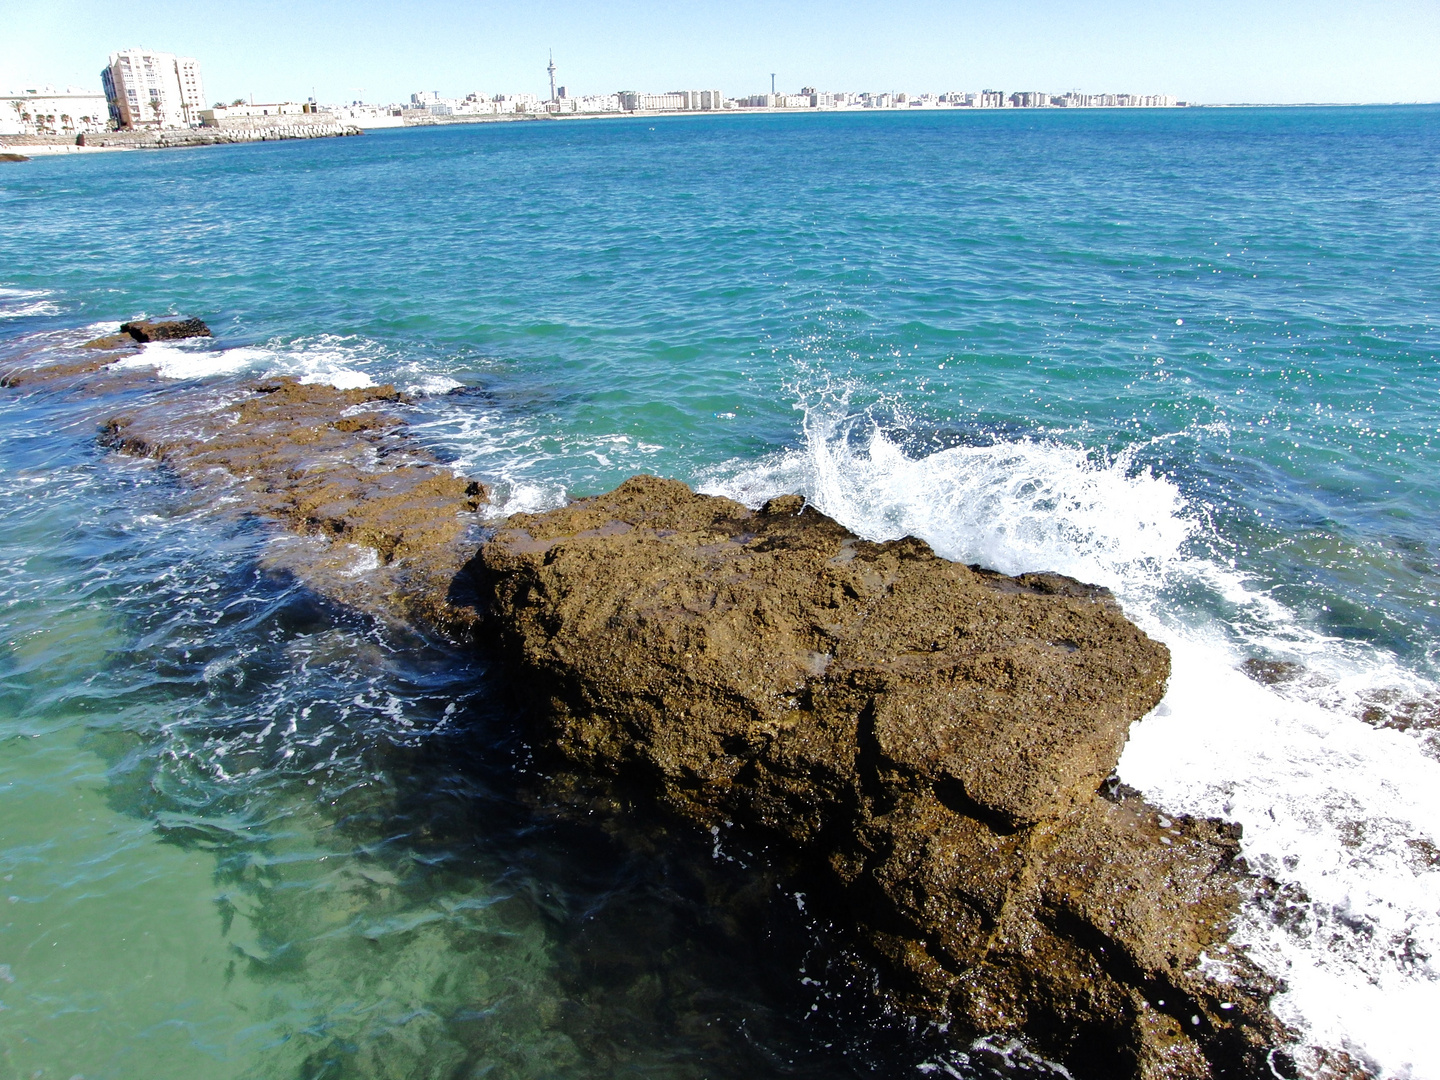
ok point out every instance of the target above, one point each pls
(552, 75)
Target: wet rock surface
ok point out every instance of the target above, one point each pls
(81, 365)
(147, 330)
(931, 740)
(382, 524)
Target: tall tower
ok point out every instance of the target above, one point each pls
(552, 75)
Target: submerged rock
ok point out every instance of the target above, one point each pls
(90, 363)
(390, 524)
(145, 330)
(932, 738)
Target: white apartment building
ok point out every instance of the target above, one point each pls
(700, 100)
(47, 111)
(631, 101)
(147, 89)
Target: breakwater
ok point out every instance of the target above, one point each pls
(170, 139)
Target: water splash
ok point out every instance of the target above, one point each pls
(1344, 817)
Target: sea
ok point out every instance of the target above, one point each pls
(1192, 355)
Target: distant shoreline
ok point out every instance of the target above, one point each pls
(450, 121)
(17, 147)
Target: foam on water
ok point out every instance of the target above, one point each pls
(174, 361)
(25, 303)
(1346, 817)
(333, 361)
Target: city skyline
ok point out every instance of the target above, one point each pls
(1222, 52)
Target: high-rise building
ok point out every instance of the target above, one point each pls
(153, 89)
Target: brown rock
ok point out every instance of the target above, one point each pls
(85, 363)
(145, 330)
(332, 464)
(55, 373)
(934, 735)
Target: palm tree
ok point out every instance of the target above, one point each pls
(65, 120)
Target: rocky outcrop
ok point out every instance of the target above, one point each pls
(391, 525)
(146, 330)
(934, 739)
(933, 744)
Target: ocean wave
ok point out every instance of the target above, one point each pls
(1345, 817)
(335, 361)
(25, 303)
(344, 362)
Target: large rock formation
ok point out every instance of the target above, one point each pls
(935, 737)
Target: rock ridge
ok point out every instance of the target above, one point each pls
(390, 527)
(934, 739)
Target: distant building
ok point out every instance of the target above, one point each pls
(47, 111)
(700, 100)
(360, 115)
(631, 101)
(153, 89)
(291, 113)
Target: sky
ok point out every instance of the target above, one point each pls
(1207, 51)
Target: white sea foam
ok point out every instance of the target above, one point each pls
(430, 384)
(333, 361)
(1346, 816)
(21, 303)
(174, 361)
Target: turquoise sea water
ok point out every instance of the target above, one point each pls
(1189, 354)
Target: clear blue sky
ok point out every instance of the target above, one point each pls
(1201, 50)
